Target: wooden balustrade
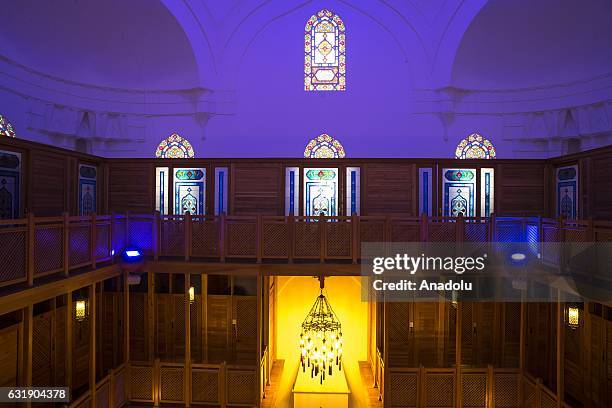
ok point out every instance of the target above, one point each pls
(157, 382)
(35, 247)
(474, 387)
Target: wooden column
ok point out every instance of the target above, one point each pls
(222, 237)
(259, 238)
(150, 313)
(126, 333)
(522, 333)
(322, 235)
(31, 242)
(187, 238)
(28, 329)
(126, 319)
(187, 381)
(155, 235)
(68, 344)
(291, 233)
(92, 345)
(66, 237)
(441, 335)
(385, 356)
(560, 351)
(355, 241)
(204, 279)
(458, 354)
(259, 335)
(93, 245)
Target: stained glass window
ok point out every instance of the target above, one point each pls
(475, 147)
(324, 53)
(321, 192)
(6, 129)
(174, 147)
(324, 147)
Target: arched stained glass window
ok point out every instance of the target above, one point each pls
(174, 147)
(475, 147)
(324, 49)
(6, 129)
(324, 147)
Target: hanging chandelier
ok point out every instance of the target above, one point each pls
(321, 339)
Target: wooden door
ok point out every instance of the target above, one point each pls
(42, 350)
(217, 331)
(138, 326)
(244, 322)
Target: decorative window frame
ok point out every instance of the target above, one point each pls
(324, 76)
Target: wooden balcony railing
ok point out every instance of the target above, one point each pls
(34, 247)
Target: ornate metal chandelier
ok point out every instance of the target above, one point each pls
(321, 339)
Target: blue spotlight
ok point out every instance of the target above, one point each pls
(132, 255)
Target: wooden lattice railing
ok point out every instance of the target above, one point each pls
(35, 247)
(156, 382)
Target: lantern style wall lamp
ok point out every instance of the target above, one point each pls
(81, 309)
(572, 316)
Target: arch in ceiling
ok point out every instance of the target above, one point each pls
(451, 36)
(513, 45)
(194, 17)
(403, 30)
(139, 44)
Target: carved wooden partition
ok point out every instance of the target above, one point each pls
(447, 387)
(222, 384)
(111, 392)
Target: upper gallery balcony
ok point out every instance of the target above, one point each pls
(37, 247)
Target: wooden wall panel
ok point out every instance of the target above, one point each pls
(80, 354)
(9, 355)
(47, 189)
(42, 350)
(389, 188)
(245, 342)
(256, 189)
(522, 189)
(600, 192)
(217, 331)
(131, 187)
(138, 327)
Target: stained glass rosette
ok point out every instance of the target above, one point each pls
(174, 147)
(6, 129)
(324, 147)
(475, 147)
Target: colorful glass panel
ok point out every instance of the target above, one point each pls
(321, 192)
(324, 53)
(189, 191)
(174, 147)
(567, 192)
(324, 147)
(6, 129)
(475, 147)
(87, 189)
(459, 189)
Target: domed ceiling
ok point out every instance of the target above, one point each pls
(135, 44)
(529, 43)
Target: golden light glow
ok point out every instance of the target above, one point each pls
(191, 294)
(573, 317)
(80, 310)
(294, 300)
